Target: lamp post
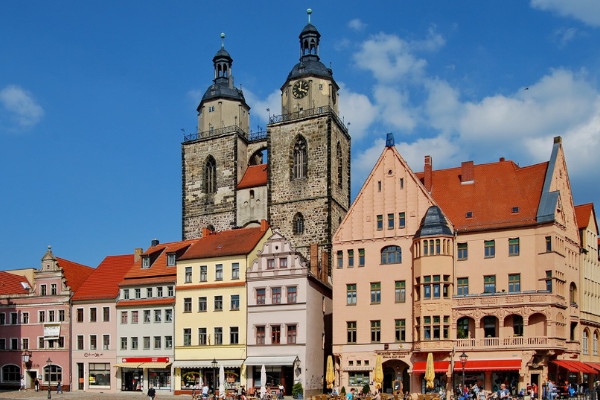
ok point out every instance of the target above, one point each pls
(214, 367)
(463, 361)
(48, 364)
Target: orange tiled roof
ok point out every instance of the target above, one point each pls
(256, 175)
(583, 213)
(104, 281)
(75, 274)
(13, 284)
(496, 189)
(226, 243)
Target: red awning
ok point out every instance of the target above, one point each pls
(575, 366)
(594, 365)
(438, 366)
(489, 365)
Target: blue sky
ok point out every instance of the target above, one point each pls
(94, 96)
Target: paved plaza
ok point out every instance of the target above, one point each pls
(32, 394)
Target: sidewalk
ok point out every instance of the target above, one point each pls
(32, 394)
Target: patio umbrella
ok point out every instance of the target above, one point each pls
(222, 382)
(329, 373)
(429, 372)
(263, 381)
(378, 372)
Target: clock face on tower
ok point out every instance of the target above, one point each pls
(300, 89)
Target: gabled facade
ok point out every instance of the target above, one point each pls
(211, 309)
(499, 280)
(289, 320)
(94, 329)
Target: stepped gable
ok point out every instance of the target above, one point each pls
(497, 195)
(75, 274)
(255, 175)
(13, 284)
(104, 281)
(226, 243)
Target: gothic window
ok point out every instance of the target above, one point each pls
(210, 175)
(340, 165)
(298, 224)
(299, 169)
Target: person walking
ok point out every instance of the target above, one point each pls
(59, 387)
(22, 384)
(151, 393)
(37, 385)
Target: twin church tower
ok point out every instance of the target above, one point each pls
(296, 175)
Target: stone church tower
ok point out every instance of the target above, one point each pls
(302, 188)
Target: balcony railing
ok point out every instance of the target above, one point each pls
(536, 342)
(274, 119)
(252, 137)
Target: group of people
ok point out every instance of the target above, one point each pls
(37, 385)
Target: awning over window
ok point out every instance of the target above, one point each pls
(438, 366)
(275, 360)
(489, 365)
(206, 363)
(594, 365)
(575, 366)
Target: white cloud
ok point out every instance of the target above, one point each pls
(565, 35)
(358, 111)
(395, 108)
(356, 24)
(587, 11)
(19, 107)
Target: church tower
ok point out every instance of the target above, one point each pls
(309, 153)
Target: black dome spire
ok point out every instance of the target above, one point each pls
(433, 224)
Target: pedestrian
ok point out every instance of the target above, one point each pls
(59, 387)
(151, 393)
(350, 394)
(22, 384)
(37, 385)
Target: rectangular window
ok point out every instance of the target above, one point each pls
(235, 302)
(159, 291)
(43, 290)
(234, 335)
(340, 259)
(219, 272)
(218, 335)
(514, 283)
(291, 334)
(380, 222)
(146, 342)
(283, 262)
(138, 293)
(188, 274)
(157, 315)
(375, 292)
(235, 271)
(427, 287)
(202, 304)
(25, 318)
(157, 342)
(93, 342)
(61, 315)
(126, 294)
(25, 344)
(260, 296)
(134, 317)
(400, 291)
(145, 262)
(105, 342)
(218, 303)
(53, 289)
(271, 263)
(187, 336)
(276, 295)
(187, 305)
(400, 328)
(79, 342)
(361, 257)
(489, 284)
(350, 258)
(260, 334)
(513, 247)
(147, 319)
(3, 319)
(123, 317)
(462, 286)
(170, 291)
(548, 243)
(50, 317)
(351, 293)
(375, 331)
(489, 248)
(401, 220)
(168, 342)
(275, 334)
(291, 294)
(169, 315)
(203, 273)
(41, 316)
(105, 314)
(463, 251)
(549, 281)
(123, 343)
(202, 337)
(149, 292)
(93, 314)
(170, 259)
(390, 221)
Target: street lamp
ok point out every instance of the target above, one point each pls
(214, 367)
(463, 360)
(48, 364)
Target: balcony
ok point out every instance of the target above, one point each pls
(514, 342)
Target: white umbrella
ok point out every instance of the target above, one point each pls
(222, 382)
(263, 381)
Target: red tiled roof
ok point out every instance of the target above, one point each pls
(226, 243)
(583, 213)
(256, 175)
(75, 274)
(496, 189)
(12, 284)
(104, 281)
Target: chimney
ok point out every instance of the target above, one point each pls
(137, 253)
(428, 172)
(264, 225)
(154, 242)
(205, 232)
(314, 259)
(467, 174)
(502, 159)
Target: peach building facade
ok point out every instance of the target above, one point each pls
(481, 261)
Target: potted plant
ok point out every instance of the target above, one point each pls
(297, 390)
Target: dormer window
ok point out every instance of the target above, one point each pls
(469, 214)
(515, 210)
(170, 259)
(145, 262)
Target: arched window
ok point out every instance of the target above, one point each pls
(391, 255)
(340, 168)
(299, 169)
(52, 373)
(298, 224)
(210, 175)
(595, 344)
(11, 373)
(584, 342)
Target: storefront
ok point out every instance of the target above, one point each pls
(193, 374)
(139, 373)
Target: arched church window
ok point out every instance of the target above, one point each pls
(298, 223)
(299, 169)
(210, 175)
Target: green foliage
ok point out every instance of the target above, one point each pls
(297, 390)
(343, 391)
(366, 389)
